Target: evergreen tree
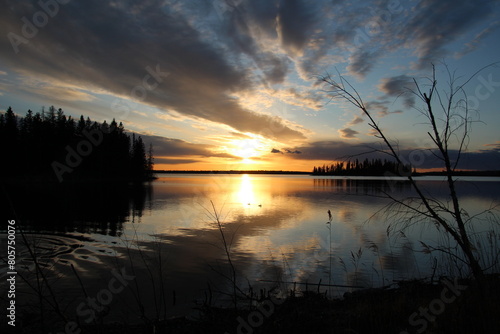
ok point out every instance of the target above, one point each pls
(151, 160)
(374, 167)
(33, 144)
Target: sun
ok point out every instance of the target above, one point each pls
(246, 148)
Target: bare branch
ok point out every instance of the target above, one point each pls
(453, 124)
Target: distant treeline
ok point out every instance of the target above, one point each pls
(374, 167)
(50, 145)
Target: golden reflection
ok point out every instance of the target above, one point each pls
(246, 195)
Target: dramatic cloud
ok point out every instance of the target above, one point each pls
(243, 32)
(438, 23)
(245, 66)
(147, 52)
(427, 29)
(362, 32)
(294, 22)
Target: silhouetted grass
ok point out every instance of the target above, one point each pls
(382, 310)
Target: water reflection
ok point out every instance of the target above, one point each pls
(276, 226)
(363, 185)
(101, 208)
(246, 195)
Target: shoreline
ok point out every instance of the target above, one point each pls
(281, 172)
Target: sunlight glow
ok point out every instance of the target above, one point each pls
(246, 194)
(246, 148)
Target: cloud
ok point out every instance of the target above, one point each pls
(209, 63)
(421, 158)
(140, 113)
(368, 31)
(275, 68)
(238, 135)
(334, 150)
(494, 147)
(356, 120)
(378, 106)
(393, 88)
(435, 24)
(246, 31)
(399, 86)
(286, 150)
(308, 99)
(51, 90)
(294, 21)
(469, 160)
(63, 94)
(348, 133)
(174, 148)
(473, 44)
(202, 48)
(361, 62)
(277, 33)
(125, 43)
(171, 161)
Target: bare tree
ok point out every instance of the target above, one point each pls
(448, 115)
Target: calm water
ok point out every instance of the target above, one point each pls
(276, 227)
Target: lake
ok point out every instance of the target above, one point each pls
(276, 228)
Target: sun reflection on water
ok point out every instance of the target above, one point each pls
(246, 195)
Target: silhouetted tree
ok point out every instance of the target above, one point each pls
(38, 145)
(151, 161)
(375, 167)
(448, 116)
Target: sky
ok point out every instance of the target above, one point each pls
(235, 84)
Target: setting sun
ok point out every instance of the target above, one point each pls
(262, 166)
(247, 148)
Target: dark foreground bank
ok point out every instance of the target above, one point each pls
(447, 306)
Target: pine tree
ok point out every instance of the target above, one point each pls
(150, 160)
(32, 144)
